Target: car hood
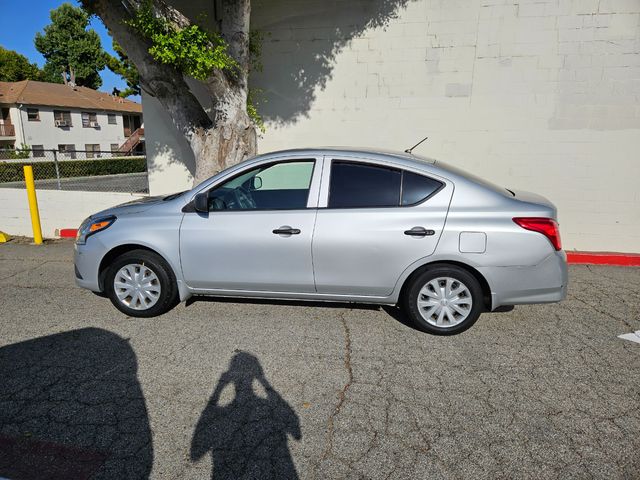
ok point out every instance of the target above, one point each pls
(128, 208)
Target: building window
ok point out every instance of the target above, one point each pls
(114, 147)
(67, 150)
(37, 150)
(89, 119)
(62, 118)
(112, 119)
(33, 114)
(92, 149)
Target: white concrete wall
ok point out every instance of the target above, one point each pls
(58, 209)
(539, 95)
(170, 161)
(44, 132)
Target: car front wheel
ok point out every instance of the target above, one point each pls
(139, 283)
(443, 300)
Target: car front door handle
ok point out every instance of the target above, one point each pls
(286, 230)
(419, 232)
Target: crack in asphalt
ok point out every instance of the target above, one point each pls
(30, 269)
(342, 394)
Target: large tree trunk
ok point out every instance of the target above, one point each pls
(232, 140)
(220, 138)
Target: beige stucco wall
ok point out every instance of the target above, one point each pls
(539, 96)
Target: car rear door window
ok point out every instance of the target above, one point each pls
(416, 188)
(359, 185)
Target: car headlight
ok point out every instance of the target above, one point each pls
(91, 226)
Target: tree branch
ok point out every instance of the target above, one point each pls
(162, 81)
(234, 28)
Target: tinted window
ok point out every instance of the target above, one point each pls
(283, 186)
(415, 188)
(354, 185)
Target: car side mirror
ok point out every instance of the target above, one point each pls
(201, 202)
(256, 183)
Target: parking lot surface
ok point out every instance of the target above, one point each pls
(232, 389)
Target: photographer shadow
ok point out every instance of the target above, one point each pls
(247, 437)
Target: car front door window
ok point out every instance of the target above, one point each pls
(280, 186)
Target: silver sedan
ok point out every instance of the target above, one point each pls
(331, 224)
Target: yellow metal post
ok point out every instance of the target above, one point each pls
(33, 204)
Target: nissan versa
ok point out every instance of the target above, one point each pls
(331, 224)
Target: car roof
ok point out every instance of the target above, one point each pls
(398, 159)
(401, 159)
(408, 158)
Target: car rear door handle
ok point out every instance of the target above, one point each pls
(286, 230)
(419, 232)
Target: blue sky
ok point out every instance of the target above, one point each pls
(30, 16)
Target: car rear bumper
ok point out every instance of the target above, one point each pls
(545, 282)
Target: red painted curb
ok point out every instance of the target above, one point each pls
(68, 232)
(604, 258)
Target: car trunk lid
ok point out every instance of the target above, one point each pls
(538, 202)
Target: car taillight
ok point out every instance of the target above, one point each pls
(546, 226)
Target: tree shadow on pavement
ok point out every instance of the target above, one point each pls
(71, 407)
(246, 436)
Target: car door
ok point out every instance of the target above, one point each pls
(375, 220)
(257, 234)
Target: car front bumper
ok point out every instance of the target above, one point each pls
(86, 259)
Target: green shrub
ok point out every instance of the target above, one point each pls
(12, 172)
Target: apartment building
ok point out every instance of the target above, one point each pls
(68, 118)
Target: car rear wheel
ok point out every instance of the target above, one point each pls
(139, 283)
(443, 300)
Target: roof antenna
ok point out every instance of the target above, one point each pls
(409, 150)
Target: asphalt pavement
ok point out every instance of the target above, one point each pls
(232, 389)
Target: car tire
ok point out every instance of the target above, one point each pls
(140, 283)
(462, 295)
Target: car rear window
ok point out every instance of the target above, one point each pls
(475, 179)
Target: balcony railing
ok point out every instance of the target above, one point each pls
(7, 130)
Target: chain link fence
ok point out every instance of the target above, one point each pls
(80, 170)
